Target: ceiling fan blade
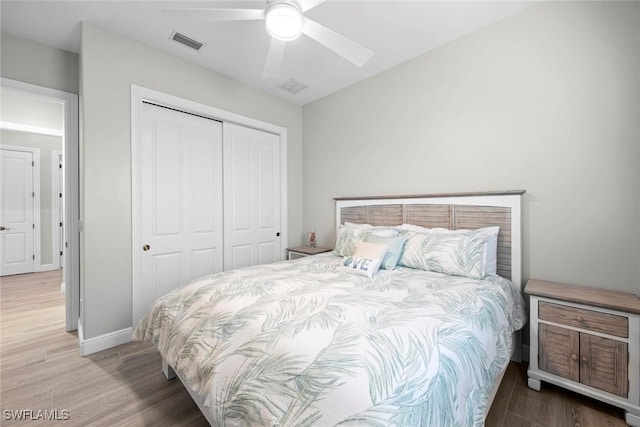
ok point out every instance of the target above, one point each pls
(348, 49)
(212, 15)
(309, 4)
(273, 64)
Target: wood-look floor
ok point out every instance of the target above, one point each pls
(41, 369)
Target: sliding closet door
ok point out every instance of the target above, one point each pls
(180, 200)
(251, 197)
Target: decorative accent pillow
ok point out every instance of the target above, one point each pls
(394, 245)
(348, 239)
(350, 234)
(456, 254)
(366, 259)
(490, 249)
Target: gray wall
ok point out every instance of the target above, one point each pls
(109, 65)
(30, 62)
(547, 101)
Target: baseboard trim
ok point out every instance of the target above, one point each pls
(103, 342)
(48, 267)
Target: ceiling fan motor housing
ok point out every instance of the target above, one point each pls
(284, 19)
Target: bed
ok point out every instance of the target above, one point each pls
(312, 342)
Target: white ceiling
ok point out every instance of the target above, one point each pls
(394, 30)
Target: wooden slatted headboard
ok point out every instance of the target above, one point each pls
(451, 211)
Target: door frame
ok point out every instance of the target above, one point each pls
(71, 169)
(57, 214)
(35, 188)
(141, 94)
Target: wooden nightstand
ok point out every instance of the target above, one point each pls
(586, 340)
(302, 251)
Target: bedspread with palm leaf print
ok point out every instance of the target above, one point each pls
(303, 343)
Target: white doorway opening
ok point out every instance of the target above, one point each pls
(70, 190)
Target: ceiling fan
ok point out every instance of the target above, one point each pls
(285, 21)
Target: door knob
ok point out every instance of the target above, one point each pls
(2, 228)
(146, 248)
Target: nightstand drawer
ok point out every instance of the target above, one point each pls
(585, 319)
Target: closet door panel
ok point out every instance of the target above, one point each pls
(166, 180)
(251, 196)
(207, 186)
(180, 217)
(268, 184)
(238, 180)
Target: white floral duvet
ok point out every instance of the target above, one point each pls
(303, 343)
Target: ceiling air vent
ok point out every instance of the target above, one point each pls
(293, 86)
(187, 41)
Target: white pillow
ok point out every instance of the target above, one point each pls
(350, 234)
(490, 249)
(370, 250)
(356, 225)
(348, 239)
(415, 228)
(366, 259)
(378, 230)
(456, 254)
(385, 232)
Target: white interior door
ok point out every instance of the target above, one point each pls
(251, 197)
(180, 165)
(16, 212)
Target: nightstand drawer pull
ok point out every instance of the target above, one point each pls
(574, 356)
(596, 321)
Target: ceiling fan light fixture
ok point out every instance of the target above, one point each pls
(284, 20)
